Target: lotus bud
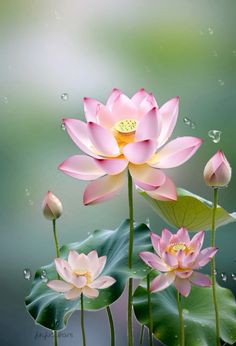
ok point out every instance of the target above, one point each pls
(217, 172)
(52, 206)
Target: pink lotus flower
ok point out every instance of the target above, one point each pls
(217, 172)
(52, 206)
(177, 257)
(127, 133)
(81, 275)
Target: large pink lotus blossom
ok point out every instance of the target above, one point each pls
(127, 133)
(81, 274)
(177, 257)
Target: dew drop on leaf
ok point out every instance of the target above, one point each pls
(63, 126)
(43, 276)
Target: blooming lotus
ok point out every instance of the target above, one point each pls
(177, 257)
(81, 274)
(127, 134)
(217, 172)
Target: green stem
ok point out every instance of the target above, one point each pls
(55, 337)
(111, 323)
(82, 319)
(55, 238)
(141, 335)
(213, 278)
(181, 321)
(130, 257)
(149, 310)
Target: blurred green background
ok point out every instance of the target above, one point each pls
(85, 48)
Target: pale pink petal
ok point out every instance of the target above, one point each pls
(103, 189)
(138, 97)
(59, 286)
(79, 281)
(183, 286)
(94, 260)
(112, 166)
(183, 236)
(146, 105)
(114, 95)
(165, 238)
(200, 279)
(78, 132)
(82, 167)
(139, 152)
(123, 108)
(153, 261)
(183, 274)
(146, 177)
(170, 260)
(205, 256)
(101, 264)
(189, 260)
(102, 282)
(90, 292)
(73, 294)
(103, 140)
(166, 192)
(63, 269)
(197, 241)
(156, 243)
(105, 117)
(162, 281)
(148, 126)
(167, 114)
(91, 108)
(83, 262)
(176, 152)
(73, 259)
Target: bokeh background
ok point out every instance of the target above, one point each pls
(85, 48)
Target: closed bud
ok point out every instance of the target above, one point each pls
(217, 172)
(52, 206)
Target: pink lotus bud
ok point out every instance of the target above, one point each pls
(217, 172)
(52, 206)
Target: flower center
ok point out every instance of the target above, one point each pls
(126, 126)
(175, 247)
(85, 273)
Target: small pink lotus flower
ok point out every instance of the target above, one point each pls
(52, 206)
(178, 257)
(81, 275)
(127, 134)
(217, 172)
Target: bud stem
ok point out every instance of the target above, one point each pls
(130, 259)
(55, 238)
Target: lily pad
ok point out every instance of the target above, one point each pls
(52, 310)
(198, 312)
(190, 211)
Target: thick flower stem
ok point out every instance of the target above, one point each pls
(141, 335)
(213, 278)
(181, 321)
(58, 255)
(149, 310)
(82, 319)
(111, 323)
(130, 256)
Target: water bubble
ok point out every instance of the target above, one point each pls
(27, 273)
(233, 276)
(221, 82)
(215, 272)
(148, 222)
(215, 135)
(5, 100)
(63, 127)
(234, 52)
(134, 272)
(27, 192)
(185, 311)
(223, 277)
(31, 202)
(89, 233)
(64, 97)
(189, 123)
(144, 270)
(214, 52)
(43, 276)
(176, 336)
(210, 30)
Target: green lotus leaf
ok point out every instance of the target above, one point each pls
(190, 211)
(198, 312)
(52, 310)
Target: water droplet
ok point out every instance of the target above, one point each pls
(189, 123)
(215, 272)
(223, 277)
(185, 311)
(31, 202)
(5, 100)
(233, 276)
(144, 270)
(221, 82)
(27, 274)
(57, 15)
(148, 222)
(215, 135)
(185, 325)
(63, 127)
(27, 192)
(210, 30)
(215, 53)
(201, 32)
(43, 276)
(134, 272)
(89, 233)
(64, 97)
(176, 336)
(234, 52)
